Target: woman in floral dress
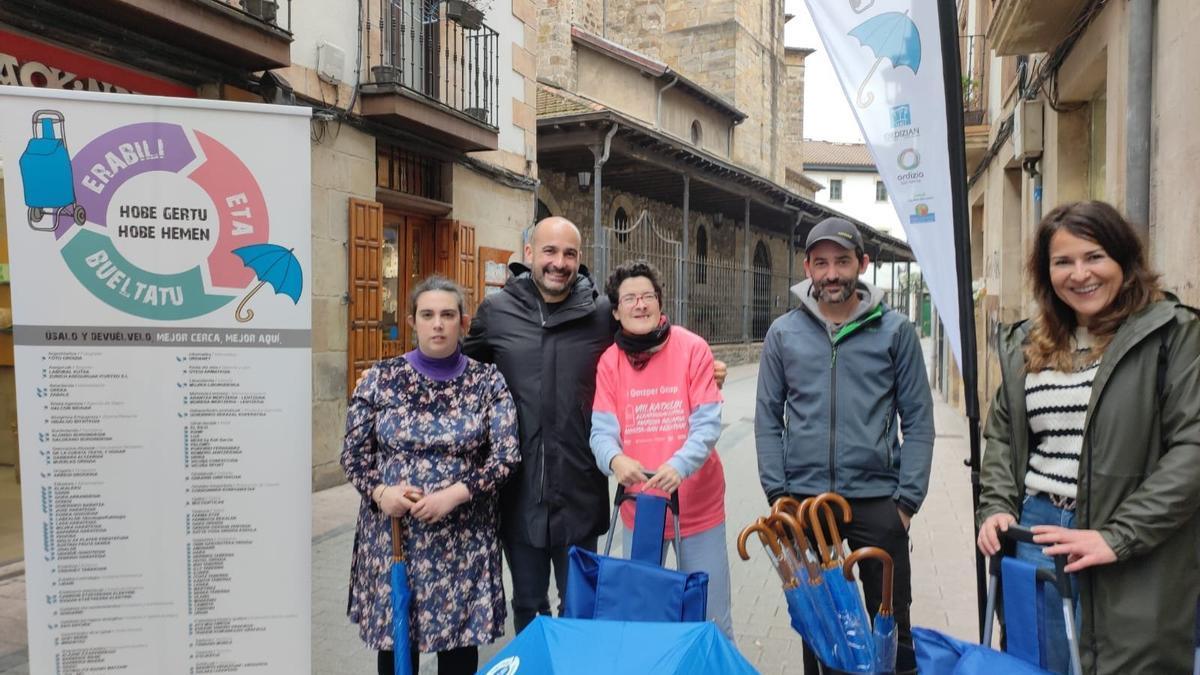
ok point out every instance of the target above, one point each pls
(430, 436)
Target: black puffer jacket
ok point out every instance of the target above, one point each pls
(558, 496)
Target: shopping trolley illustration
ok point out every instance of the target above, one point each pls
(46, 173)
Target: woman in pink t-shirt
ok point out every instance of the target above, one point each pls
(658, 409)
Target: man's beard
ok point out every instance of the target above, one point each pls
(823, 295)
(545, 284)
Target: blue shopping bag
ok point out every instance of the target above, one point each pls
(940, 654)
(639, 589)
(615, 589)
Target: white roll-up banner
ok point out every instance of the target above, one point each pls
(888, 59)
(161, 278)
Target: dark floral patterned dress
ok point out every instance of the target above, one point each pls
(403, 426)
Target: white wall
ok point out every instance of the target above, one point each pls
(330, 21)
(512, 86)
(858, 200)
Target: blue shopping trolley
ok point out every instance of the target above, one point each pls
(638, 588)
(46, 173)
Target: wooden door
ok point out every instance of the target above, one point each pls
(408, 258)
(365, 316)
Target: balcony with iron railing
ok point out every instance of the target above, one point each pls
(241, 35)
(433, 68)
(974, 64)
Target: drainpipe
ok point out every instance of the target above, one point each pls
(1137, 115)
(682, 270)
(791, 255)
(729, 139)
(746, 277)
(601, 156)
(658, 104)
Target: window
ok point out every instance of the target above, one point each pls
(880, 191)
(408, 172)
(835, 190)
(621, 224)
(697, 132)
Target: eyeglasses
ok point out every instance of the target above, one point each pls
(648, 298)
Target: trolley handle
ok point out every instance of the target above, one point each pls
(1059, 577)
(624, 495)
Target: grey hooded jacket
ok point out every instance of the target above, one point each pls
(828, 397)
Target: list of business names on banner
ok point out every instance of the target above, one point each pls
(163, 372)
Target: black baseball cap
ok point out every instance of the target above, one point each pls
(835, 229)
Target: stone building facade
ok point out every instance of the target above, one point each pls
(1031, 151)
(733, 49)
(689, 116)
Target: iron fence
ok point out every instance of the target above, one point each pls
(706, 292)
(709, 292)
(442, 50)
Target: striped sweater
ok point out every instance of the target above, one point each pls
(1056, 404)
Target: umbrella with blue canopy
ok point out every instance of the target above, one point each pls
(802, 592)
(857, 652)
(592, 646)
(812, 599)
(883, 631)
(401, 603)
(892, 36)
(272, 264)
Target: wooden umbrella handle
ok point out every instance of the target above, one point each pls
(885, 599)
(774, 550)
(822, 501)
(786, 505)
(397, 541)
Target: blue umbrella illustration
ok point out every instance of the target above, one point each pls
(272, 264)
(401, 601)
(892, 36)
(883, 633)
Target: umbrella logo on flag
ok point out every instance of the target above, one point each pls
(892, 36)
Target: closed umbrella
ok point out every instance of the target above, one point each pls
(855, 651)
(883, 631)
(401, 600)
(809, 611)
(807, 600)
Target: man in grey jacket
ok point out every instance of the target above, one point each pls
(834, 375)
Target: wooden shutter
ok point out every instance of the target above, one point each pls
(456, 258)
(365, 343)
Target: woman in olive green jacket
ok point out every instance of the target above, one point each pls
(1135, 542)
